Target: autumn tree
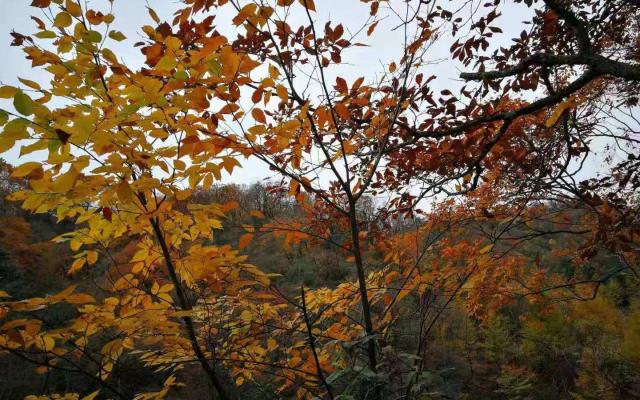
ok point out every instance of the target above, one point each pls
(500, 152)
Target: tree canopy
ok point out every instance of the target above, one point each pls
(476, 194)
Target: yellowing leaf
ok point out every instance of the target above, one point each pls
(246, 316)
(94, 36)
(48, 343)
(486, 249)
(109, 56)
(23, 103)
(62, 20)
(153, 15)
(91, 396)
(80, 298)
(66, 181)
(45, 35)
(25, 169)
(124, 192)
(183, 194)
(73, 8)
(31, 84)
(117, 36)
(7, 92)
(166, 63)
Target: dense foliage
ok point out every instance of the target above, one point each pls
(421, 238)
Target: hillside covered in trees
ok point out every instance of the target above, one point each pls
(421, 235)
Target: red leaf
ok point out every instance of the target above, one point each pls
(341, 85)
(40, 3)
(107, 213)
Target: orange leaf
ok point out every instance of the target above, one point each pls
(258, 115)
(308, 4)
(245, 240)
(342, 111)
(559, 110)
(282, 93)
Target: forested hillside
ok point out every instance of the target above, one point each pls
(460, 220)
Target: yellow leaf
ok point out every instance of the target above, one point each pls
(124, 192)
(73, 8)
(486, 249)
(109, 56)
(65, 182)
(31, 84)
(77, 265)
(183, 194)
(559, 110)
(80, 298)
(91, 396)
(92, 257)
(62, 20)
(25, 169)
(274, 73)
(153, 15)
(246, 316)
(7, 92)
(180, 314)
(207, 182)
(166, 63)
(48, 343)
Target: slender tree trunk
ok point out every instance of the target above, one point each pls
(186, 305)
(362, 285)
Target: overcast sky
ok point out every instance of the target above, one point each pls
(384, 46)
(132, 14)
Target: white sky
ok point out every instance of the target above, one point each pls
(384, 46)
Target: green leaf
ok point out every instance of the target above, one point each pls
(7, 92)
(94, 36)
(62, 20)
(167, 63)
(46, 35)
(181, 75)
(4, 117)
(117, 35)
(14, 130)
(23, 103)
